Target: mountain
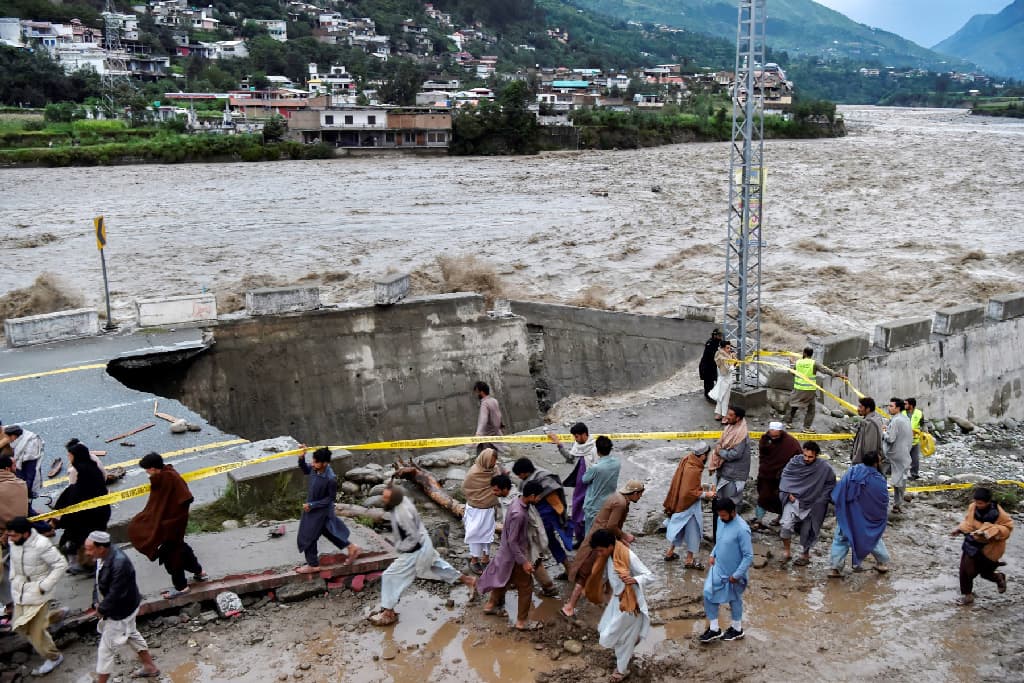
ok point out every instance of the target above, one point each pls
(800, 27)
(994, 41)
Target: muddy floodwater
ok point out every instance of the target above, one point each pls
(912, 211)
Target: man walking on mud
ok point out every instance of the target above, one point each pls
(318, 515)
(985, 529)
(488, 421)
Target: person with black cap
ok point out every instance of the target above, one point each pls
(27, 448)
(985, 529)
(36, 567)
(707, 368)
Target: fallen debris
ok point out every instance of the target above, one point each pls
(134, 431)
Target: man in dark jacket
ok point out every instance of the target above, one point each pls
(551, 508)
(318, 515)
(708, 369)
(116, 599)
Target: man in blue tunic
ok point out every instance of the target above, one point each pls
(318, 515)
(727, 576)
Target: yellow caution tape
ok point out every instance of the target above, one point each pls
(955, 487)
(47, 373)
(165, 456)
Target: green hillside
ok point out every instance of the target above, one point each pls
(800, 27)
(994, 41)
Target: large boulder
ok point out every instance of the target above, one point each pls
(366, 475)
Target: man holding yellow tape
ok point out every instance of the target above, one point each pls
(805, 390)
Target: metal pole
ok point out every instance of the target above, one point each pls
(106, 288)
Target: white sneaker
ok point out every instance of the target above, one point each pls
(48, 666)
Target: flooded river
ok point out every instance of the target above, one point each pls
(912, 211)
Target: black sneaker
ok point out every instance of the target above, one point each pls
(709, 636)
(732, 634)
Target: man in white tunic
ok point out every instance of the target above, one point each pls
(626, 619)
(416, 557)
(897, 439)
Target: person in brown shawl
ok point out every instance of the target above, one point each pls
(478, 518)
(682, 504)
(158, 532)
(611, 518)
(776, 448)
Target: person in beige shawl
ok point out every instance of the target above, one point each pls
(725, 359)
(478, 519)
(730, 459)
(685, 524)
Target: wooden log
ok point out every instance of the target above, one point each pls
(134, 431)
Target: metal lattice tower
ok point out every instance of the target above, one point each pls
(117, 84)
(742, 318)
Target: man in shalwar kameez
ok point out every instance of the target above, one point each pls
(581, 455)
(727, 577)
(417, 558)
(318, 515)
(626, 619)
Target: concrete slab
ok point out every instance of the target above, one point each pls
(274, 300)
(841, 349)
(242, 561)
(173, 310)
(267, 477)
(50, 327)
(1006, 306)
(904, 332)
(958, 318)
(391, 289)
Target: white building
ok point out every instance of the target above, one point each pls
(276, 28)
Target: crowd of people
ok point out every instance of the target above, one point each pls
(584, 534)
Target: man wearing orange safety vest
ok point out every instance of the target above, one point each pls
(805, 390)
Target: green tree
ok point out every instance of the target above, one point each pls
(274, 129)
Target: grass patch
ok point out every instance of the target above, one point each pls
(284, 502)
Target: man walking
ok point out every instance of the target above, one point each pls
(730, 459)
(13, 503)
(27, 448)
(776, 448)
(805, 389)
(897, 440)
(985, 528)
(626, 620)
(551, 508)
(682, 504)
(318, 515)
(869, 432)
(916, 417)
(536, 536)
(707, 368)
(488, 420)
(611, 518)
(158, 532)
(416, 557)
(601, 481)
(36, 567)
(511, 566)
(727, 577)
(582, 455)
(861, 499)
(116, 599)
(805, 491)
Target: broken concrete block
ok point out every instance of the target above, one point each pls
(841, 349)
(48, 327)
(391, 289)
(958, 318)
(903, 332)
(228, 604)
(1006, 306)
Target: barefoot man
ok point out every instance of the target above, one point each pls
(318, 515)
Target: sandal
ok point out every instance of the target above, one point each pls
(380, 619)
(200, 577)
(801, 562)
(567, 617)
(530, 626)
(616, 677)
(174, 593)
(496, 612)
(696, 564)
(1000, 582)
(671, 558)
(142, 673)
(550, 592)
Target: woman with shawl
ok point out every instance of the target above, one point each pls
(478, 518)
(90, 482)
(724, 360)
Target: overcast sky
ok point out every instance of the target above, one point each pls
(924, 21)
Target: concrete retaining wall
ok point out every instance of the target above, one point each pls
(39, 329)
(174, 310)
(592, 352)
(349, 376)
(967, 367)
(274, 300)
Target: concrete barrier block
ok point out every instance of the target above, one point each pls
(176, 309)
(1006, 306)
(903, 332)
(391, 290)
(271, 300)
(696, 312)
(841, 349)
(38, 329)
(958, 318)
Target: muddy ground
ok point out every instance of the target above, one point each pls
(801, 625)
(910, 209)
